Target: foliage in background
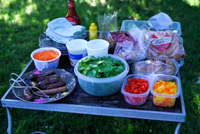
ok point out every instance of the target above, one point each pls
(21, 23)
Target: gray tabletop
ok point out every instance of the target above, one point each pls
(80, 102)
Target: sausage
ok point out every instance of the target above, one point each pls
(43, 74)
(27, 94)
(54, 85)
(46, 77)
(49, 81)
(53, 90)
(47, 73)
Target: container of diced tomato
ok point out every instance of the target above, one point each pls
(165, 89)
(136, 89)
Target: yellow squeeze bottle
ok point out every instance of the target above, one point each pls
(93, 31)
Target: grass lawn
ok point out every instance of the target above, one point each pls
(21, 23)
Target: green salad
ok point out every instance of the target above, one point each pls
(100, 67)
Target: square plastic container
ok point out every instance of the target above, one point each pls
(135, 99)
(128, 24)
(164, 100)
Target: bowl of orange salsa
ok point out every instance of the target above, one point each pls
(46, 57)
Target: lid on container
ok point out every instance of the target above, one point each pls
(97, 44)
(76, 45)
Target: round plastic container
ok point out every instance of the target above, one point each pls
(135, 99)
(164, 100)
(46, 64)
(102, 86)
(76, 50)
(97, 47)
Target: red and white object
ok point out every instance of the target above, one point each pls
(135, 98)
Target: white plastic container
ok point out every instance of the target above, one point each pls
(97, 47)
(46, 64)
(102, 86)
(76, 50)
(164, 100)
(135, 99)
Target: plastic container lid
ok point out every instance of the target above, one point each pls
(76, 46)
(136, 76)
(97, 47)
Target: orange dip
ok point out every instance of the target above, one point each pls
(46, 55)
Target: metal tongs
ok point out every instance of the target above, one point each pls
(17, 82)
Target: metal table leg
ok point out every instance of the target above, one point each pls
(177, 128)
(9, 130)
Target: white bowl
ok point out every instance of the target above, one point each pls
(46, 64)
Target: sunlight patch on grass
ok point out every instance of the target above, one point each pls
(45, 21)
(17, 19)
(193, 2)
(94, 3)
(4, 17)
(30, 8)
(6, 3)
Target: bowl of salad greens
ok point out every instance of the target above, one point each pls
(101, 76)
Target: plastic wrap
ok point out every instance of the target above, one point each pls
(155, 66)
(130, 45)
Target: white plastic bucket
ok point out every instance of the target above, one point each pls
(76, 50)
(46, 64)
(97, 47)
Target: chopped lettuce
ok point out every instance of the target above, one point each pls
(101, 67)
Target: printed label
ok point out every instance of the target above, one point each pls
(75, 57)
(162, 40)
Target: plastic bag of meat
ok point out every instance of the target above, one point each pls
(164, 44)
(157, 66)
(130, 45)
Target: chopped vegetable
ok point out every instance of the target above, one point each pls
(46, 55)
(166, 88)
(100, 67)
(137, 86)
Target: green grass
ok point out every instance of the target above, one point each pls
(21, 23)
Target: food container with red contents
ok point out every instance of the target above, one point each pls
(132, 98)
(161, 99)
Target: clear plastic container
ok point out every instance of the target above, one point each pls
(102, 86)
(97, 47)
(135, 99)
(46, 64)
(129, 24)
(164, 100)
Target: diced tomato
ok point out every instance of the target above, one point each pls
(137, 85)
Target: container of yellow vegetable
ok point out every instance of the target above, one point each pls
(165, 90)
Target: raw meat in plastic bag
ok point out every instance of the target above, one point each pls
(130, 45)
(157, 66)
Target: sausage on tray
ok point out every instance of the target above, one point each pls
(27, 94)
(46, 73)
(54, 85)
(46, 77)
(49, 81)
(53, 90)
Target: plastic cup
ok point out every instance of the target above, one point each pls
(97, 47)
(76, 50)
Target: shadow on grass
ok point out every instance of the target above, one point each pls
(21, 23)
